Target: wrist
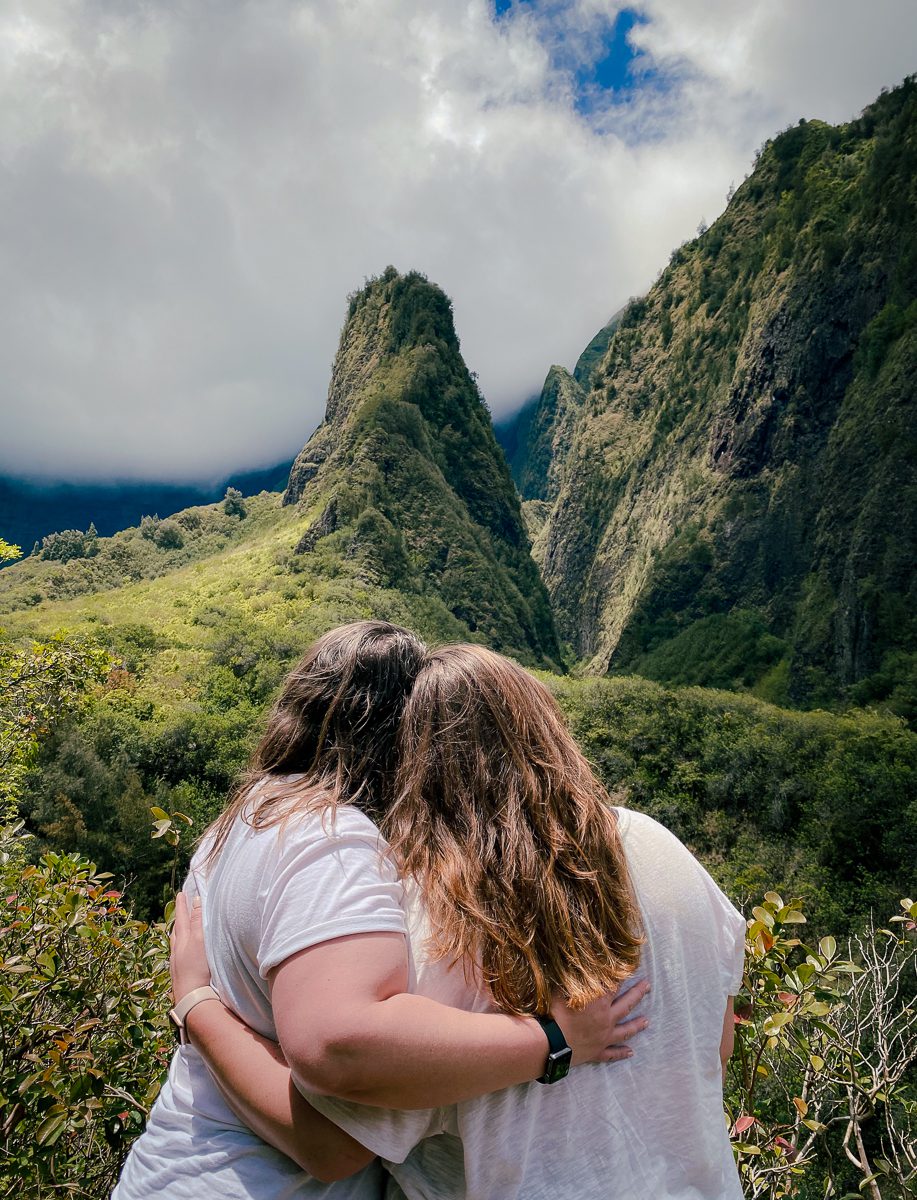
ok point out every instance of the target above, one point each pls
(190, 1003)
(560, 1054)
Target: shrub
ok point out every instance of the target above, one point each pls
(232, 503)
(84, 1038)
(69, 543)
(168, 536)
(149, 526)
(821, 1086)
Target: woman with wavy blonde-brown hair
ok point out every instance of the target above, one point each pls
(510, 837)
(524, 882)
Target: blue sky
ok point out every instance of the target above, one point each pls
(602, 65)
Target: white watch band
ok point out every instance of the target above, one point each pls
(179, 1013)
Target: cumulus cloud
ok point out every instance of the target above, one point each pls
(189, 190)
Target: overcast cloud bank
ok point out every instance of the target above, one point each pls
(189, 190)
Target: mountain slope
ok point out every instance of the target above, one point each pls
(737, 499)
(400, 505)
(406, 475)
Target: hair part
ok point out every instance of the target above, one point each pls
(510, 836)
(334, 725)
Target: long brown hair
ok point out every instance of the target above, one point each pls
(510, 836)
(335, 724)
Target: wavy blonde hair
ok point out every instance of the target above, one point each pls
(334, 726)
(510, 836)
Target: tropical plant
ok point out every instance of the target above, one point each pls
(821, 1097)
(84, 1035)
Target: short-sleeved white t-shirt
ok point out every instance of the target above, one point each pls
(650, 1128)
(270, 893)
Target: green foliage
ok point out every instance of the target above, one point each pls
(69, 543)
(821, 1094)
(148, 527)
(84, 1035)
(882, 331)
(233, 504)
(168, 535)
(814, 804)
(39, 684)
(724, 650)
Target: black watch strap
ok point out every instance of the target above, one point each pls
(559, 1052)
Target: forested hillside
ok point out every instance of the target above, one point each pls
(733, 502)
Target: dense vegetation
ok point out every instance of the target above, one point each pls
(405, 475)
(741, 474)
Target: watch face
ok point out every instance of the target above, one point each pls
(558, 1065)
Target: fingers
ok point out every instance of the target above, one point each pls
(624, 1031)
(180, 923)
(625, 1002)
(616, 1054)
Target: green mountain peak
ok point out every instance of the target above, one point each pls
(405, 475)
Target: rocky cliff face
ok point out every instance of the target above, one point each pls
(733, 502)
(405, 474)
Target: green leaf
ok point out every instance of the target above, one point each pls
(794, 917)
(817, 1008)
(160, 814)
(776, 1021)
(50, 1129)
(828, 947)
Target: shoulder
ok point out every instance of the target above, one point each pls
(326, 833)
(640, 829)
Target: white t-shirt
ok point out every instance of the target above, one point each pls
(270, 893)
(650, 1128)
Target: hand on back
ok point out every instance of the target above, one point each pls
(600, 1031)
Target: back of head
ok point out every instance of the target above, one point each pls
(334, 725)
(510, 835)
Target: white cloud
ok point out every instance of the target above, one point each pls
(189, 191)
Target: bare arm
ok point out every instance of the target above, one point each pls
(251, 1071)
(253, 1075)
(727, 1041)
(349, 1029)
(246, 1065)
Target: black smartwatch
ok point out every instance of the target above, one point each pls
(559, 1055)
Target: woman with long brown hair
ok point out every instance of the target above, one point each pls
(524, 881)
(306, 935)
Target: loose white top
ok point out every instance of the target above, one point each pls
(270, 893)
(650, 1128)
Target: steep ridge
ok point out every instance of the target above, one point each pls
(405, 472)
(736, 500)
